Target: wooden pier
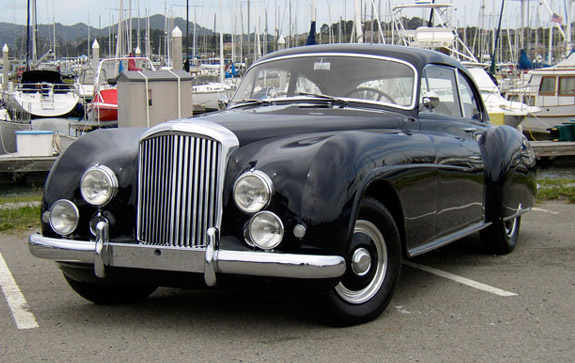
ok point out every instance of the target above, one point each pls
(16, 169)
(553, 149)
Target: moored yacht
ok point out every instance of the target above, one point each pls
(553, 90)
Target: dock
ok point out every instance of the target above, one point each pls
(14, 168)
(553, 149)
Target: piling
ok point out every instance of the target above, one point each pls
(177, 49)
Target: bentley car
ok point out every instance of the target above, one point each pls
(328, 166)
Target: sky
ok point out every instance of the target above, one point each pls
(105, 12)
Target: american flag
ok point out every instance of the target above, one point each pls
(556, 19)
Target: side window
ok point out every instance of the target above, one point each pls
(547, 87)
(441, 80)
(566, 86)
(468, 99)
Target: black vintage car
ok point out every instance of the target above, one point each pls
(329, 165)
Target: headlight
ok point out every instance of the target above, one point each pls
(64, 217)
(99, 185)
(266, 230)
(253, 191)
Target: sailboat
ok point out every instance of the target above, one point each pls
(41, 93)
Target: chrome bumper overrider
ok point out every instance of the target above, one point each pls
(209, 261)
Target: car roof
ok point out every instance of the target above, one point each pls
(416, 56)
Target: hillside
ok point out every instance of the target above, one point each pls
(70, 37)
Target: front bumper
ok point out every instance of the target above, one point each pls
(209, 261)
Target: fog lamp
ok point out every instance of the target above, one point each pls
(64, 216)
(266, 230)
(98, 185)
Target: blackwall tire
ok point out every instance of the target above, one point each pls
(501, 237)
(373, 264)
(110, 295)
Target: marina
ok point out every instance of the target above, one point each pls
(130, 76)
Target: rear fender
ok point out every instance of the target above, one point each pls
(509, 173)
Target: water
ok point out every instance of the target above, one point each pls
(562, 168)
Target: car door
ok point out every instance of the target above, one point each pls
(455, 126)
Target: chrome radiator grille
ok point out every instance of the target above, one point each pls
(178, 189)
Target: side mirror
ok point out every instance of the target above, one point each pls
(430, 100)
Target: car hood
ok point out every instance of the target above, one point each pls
(255, 124)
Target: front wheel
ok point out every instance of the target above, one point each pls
(373, 263)
(501, 237)
(110, 295)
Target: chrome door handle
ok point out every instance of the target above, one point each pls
(469, 129)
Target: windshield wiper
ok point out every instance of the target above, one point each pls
(335, 100)
(251, 102)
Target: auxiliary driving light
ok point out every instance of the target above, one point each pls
(266, 230)
(64, 216)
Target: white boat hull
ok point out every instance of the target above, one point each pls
(40, 104)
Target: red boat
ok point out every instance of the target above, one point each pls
(104, 105)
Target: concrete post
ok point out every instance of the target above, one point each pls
(5, 67)
(95, 55)
(281, 42)
(177, 49)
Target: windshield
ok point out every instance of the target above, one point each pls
(366, 79)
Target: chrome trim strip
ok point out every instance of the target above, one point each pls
(520, 211)
(191, 260)
(442, 241)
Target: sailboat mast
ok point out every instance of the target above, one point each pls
(357, 21)
(28, 37)
(119, 42)
(221, 42)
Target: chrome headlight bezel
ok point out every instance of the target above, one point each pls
(259, 185)
(105, 179)
(64, 217)
(267, 223)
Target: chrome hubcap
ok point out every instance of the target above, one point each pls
(361, 262)
(366, 265)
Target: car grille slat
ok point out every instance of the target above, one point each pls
(178, 180)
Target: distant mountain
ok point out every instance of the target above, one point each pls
(14, 35)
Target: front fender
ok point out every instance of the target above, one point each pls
(315, 178)
(509, 171)
(115, 148)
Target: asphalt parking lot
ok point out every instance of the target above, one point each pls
(455, 304)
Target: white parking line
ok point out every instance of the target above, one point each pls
(544, 211)
(22, 316)
(461, 280)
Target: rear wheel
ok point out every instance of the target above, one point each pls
(110, 295)
(501, 237)
(373, 263)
